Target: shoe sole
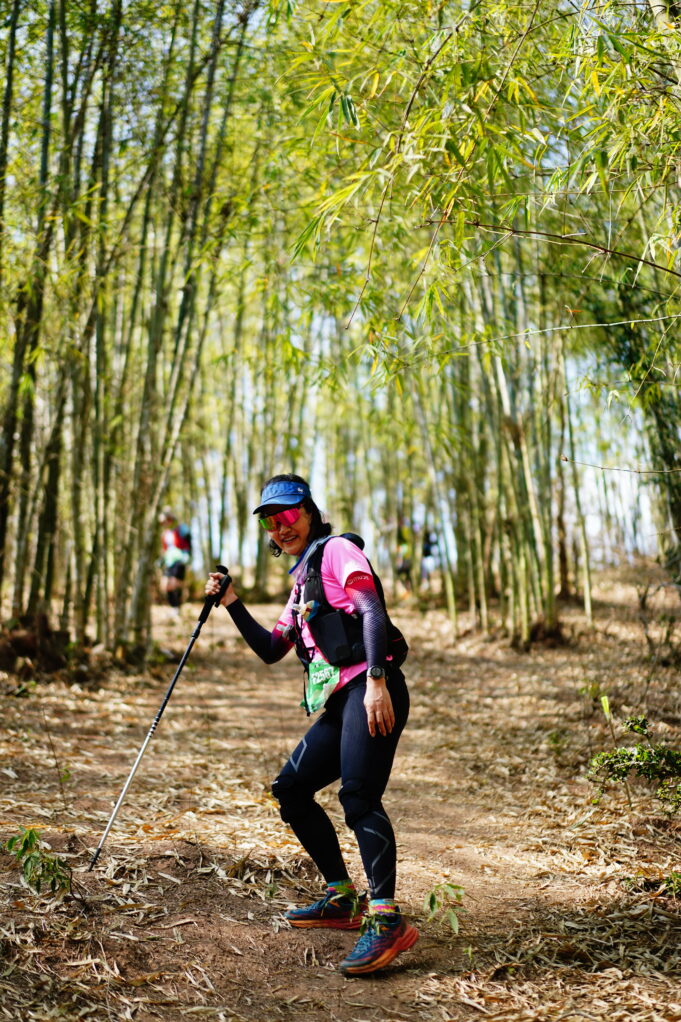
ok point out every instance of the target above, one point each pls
(403, 943)
(327, 924)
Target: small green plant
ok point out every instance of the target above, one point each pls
(654, 763)
(271, 889)
(38, 868)
(592, 692)
(669, 885)
(672, 884)
(25, 689)
(445, 901)
(558, 741)
(605, 704)
(637, 725)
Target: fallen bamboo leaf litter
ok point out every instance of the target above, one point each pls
(481, 795)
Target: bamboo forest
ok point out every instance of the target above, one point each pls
(424, 257)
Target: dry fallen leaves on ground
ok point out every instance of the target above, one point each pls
(183, 916)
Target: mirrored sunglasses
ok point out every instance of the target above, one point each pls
(287, 517)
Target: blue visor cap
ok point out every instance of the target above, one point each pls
(282, 494)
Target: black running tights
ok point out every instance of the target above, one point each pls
(338, 745)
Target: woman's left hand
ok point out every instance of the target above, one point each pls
(379, 707)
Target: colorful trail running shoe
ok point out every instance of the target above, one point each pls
(386, 935)
(334, 911)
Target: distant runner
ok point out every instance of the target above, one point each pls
(336, 620)
(176, 543)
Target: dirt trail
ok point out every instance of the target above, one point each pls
(183, 916)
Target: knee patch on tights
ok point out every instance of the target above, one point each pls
(293, 800)
(357, 800)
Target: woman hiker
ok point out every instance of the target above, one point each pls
(365, 701)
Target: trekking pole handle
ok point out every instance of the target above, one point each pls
(226, 582)
(214, 601)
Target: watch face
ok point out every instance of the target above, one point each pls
(376, 672)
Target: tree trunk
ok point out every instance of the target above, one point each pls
(581, 522)
(29, 321)
(7, 97)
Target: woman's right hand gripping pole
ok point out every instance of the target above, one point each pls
(212, 588)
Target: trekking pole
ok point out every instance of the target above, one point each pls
(209, 603)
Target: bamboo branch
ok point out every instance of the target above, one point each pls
(568, 239)
(367, 276)
(619, 468)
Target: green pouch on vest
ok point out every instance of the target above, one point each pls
(322, 679)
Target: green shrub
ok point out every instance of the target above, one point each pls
(655, 763)
(38, 867)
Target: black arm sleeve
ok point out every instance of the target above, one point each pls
(367, 603)
(269, 646)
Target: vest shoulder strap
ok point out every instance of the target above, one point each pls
(313, 587)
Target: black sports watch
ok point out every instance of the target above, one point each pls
(376, 672)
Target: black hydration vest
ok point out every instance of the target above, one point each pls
(336, 633)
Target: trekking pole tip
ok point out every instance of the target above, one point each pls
(94, 858)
